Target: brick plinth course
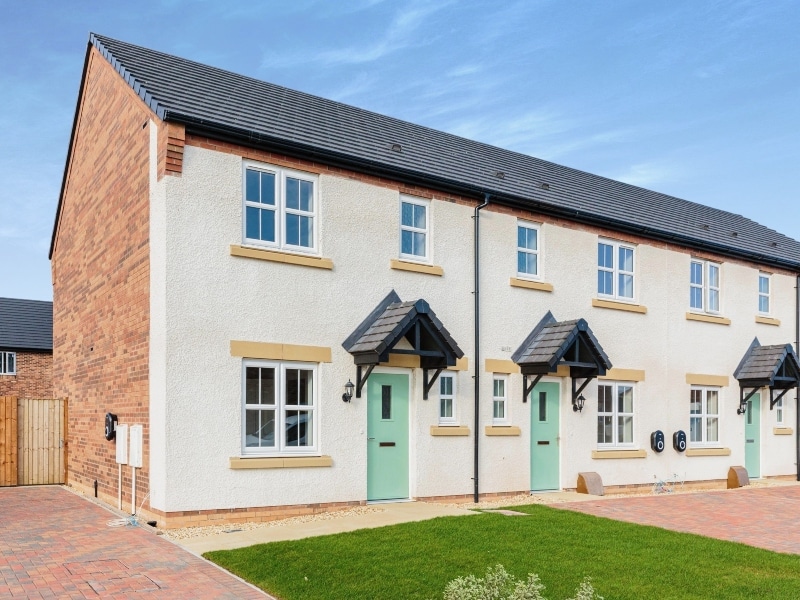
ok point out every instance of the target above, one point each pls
(760, 517)
(56, 544)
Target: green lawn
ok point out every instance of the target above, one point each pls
(416, 560)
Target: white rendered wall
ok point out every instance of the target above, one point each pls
(213, 298)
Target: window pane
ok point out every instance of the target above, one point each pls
(306, 196)
(299, 387)
(293, 229)
(298, 428)
(625, 285)
(251, 186)
(499, 388)
(712, 402)
(267, 386)
(418, 244)
(750, 412)
(306, 232)
(763, 304)
(446, 386)
(252, 223)
(499, 409)
(695, 433)
(604, 434)
(419, 216)
(626, 259)
(713, 300)
(527, 238)
(605, 256)
(713, 276)
(386, 402)
(407, 214)
(260, 428)
(697, 273)
(268, 188)
(406, 242)
(251, 385)
(763, 284)
(526, 263)
(267, 225)
(604, 399)
(696, 297)
(292, 193)
(605, 280)
(696, 402)
(625, 430)
(712, 429)
(446, 408)
(625, 399)
(542, 407)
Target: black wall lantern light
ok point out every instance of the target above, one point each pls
(577, 403)
(348, 391)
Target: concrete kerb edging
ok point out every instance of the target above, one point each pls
(114, 511)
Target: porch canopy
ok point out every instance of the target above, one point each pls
(775, 367)
(554, 343)
(388, 325)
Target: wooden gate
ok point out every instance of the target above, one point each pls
(33, 435)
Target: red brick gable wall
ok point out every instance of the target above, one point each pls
(34, 378)
(100, 268)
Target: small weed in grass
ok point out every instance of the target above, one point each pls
(417, 560)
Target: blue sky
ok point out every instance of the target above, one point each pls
(698, 99)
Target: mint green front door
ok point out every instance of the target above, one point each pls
(544, 436)
(752, 437)
(387, 436)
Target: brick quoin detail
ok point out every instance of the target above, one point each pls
(100, 268)
(171, 140)
(424, 192)
(34, 378)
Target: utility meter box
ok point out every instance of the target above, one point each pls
(122, 444)
(135, 457)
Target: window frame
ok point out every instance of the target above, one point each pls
(779, 412)
(704, 415)
(767, 295)
(281, 209)
(537, 253)
(453, 418)
(426, 231)
(705, 286)
(7, 357)
(505, 419)
(616, 272)
(280, 448)
(616, 414)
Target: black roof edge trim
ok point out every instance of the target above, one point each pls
(252, 139)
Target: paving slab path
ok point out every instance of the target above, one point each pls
(55, 544)
(767, 517)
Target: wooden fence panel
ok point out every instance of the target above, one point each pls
(42, 437)
(8, 441)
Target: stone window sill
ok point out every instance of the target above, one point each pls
(614, 305)
(619, 454)
(279, 462)
(496, 430)
(690, 316)
(449, 430)
(281, 257)
(708, 452)
(531, 285)
(402, 265)
(782, 431)
(768, 321)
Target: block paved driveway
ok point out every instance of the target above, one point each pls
(55, 544)
(767, 517)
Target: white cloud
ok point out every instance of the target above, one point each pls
(647, 174)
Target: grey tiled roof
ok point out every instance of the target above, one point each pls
(549, 341)
(220, 103)
(392, 324)
(761, 364)
(26, 324)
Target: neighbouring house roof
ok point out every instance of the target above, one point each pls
(224, 105)
(393, 321)
(26, 324)
(553, 342)
(774, 366)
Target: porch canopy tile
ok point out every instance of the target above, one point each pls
(393, 321)
(775, 367)
(553, 343)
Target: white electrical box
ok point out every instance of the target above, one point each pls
(135, 457)
(122, 444)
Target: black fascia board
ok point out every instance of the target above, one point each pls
(254, 139)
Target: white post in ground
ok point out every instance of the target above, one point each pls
(122, 457)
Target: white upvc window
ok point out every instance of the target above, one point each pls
(447, 399)
(615, 270)
(704, 286)
(279, 408)
(764, 293)
(8, 363)
(615, 415)
(704, 416)
(500, 400)
(528, 250)
(280, 208)
(415, 229)
(778, 411)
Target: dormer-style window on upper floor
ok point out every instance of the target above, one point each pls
(764, 293)
(280, 208)
(415, 229)
(8, 363)
(615, 270)
(704, 286)
(528, 250)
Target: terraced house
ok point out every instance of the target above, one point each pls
(307, 305)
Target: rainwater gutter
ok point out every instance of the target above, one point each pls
(477, 359)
